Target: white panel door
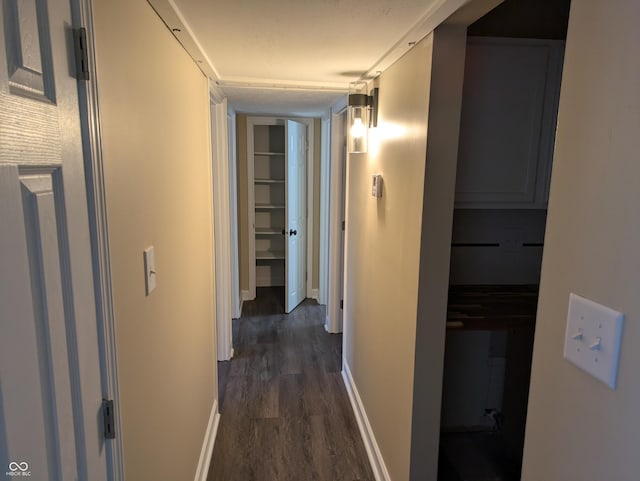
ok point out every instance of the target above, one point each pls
(296, 214)
(50, 384)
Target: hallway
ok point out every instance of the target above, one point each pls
(285, 414)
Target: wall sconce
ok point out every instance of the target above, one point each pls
(362, 114)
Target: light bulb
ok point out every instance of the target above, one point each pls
(358, 129)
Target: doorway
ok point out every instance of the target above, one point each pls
(277, 241)
(510, 97)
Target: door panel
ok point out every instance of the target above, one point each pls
(29, 130)
(296, 206)
(37, 348)
(50, 378)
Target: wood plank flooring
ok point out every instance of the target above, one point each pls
(285, 413)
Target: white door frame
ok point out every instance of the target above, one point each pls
(333, 322)
(270, 120)
(220, 183)
(310, 292)
(236, 307)
(325, 170)
(99, 230)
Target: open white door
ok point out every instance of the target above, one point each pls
(50, 384)
(296, 203)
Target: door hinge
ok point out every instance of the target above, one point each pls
(82, 57)
(343, 224)
(109, 419)
(341, 304)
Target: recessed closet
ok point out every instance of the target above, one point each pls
(507, 130)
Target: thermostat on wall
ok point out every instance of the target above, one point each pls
(376, 185)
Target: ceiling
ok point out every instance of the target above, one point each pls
(297, 57)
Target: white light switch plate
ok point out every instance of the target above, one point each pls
(149, 270)
(592, 340)
(376, 185)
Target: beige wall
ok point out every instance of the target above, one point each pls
(155, 125)
(243, 203)
(383, 252)
(578, 428)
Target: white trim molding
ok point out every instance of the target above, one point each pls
(207, 446)
(337, 192)
(314, 295)
(233, 214)
(175, 21)
(221, 221)
(378, 466)
(311, 131)
(99, 232)
(437, 13)
(324, 186)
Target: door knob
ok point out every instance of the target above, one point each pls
(293, 232)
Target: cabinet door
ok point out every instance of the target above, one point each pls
(508, 119)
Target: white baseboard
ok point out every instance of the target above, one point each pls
(209, 441)
(314, 294)
(244, 296)
(227, 355)
(373, 451)
(237, 309)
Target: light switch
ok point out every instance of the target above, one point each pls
(149, 270)
(376, 185)
(592, 340)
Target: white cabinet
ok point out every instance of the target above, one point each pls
(267, 167)
(507, 128)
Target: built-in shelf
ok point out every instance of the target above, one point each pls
(269, 255)
(268, 181)
(267, 231)
(269, 206)
(266, 146)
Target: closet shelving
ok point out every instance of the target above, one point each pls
(269, 164)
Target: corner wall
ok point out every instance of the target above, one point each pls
(447, 74)
(578, 428)
(154, 104)
(382, 257)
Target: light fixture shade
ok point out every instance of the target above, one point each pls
(358, 118)
(358, 129)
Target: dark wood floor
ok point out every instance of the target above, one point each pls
(476, 456)
(285, 414)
